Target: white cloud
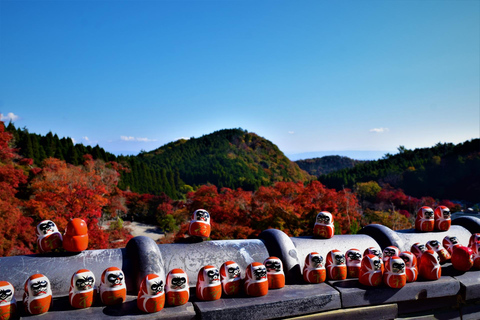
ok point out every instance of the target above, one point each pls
(73, 140)
(130, 138)
(85, 138)
(291, 132)
(379, 130)
(9, 117)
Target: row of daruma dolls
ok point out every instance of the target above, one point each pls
(211, 283)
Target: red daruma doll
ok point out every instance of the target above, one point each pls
(462, 258)
(418, 249)
(230, 276)
(371, 271)
(476, 255)
(256, 283)
(75, 238)
(200, 224)
(450, 243)
(48, 236)
(441, 251)
(411, 270)
(394, 275)
(324, 227)
(177, 289)
(275, 275)
(388, 252)
(443, 219)
(112, 287)
(354, 261)
(8, 304)
(37, 298)
(151, 296)
(429, 267)
(314, 269)
(209, 286)
(425, 220)
(82, 291)
(336, 267)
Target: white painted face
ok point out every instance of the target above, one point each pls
(212, 275)
(39, 286)
(84, 281)
(338, 259)
(316, 261)
(259, 272)
(353, 256)
(177, 281)
(155, 286)
(446, 213)
(114, 278)
(324, 218)
(273, 266)
(6, 293)
(202, 215)
(233, 271)
(397, 265)
(46, 227)
(428, 213)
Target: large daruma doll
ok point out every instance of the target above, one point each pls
(425, 221)
(443, 219)
(324, 227)
(177, 289)
(82, 289)
(151, 296)
(48, 236)
(209, 286)
(8, 304)
(37, 298)
(371, 270)
(75, 238)
(200, 224)
(336, 267)
(256, 282)
(112, 286)
(231, 278)
(314, 268)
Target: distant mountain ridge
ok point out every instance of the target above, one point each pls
(327, 164)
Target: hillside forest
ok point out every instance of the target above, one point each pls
(244, 181)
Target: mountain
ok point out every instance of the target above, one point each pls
(232, 158)
(444, 171)
(327, 164)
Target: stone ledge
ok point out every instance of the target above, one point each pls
(292, 300)
(387, 311)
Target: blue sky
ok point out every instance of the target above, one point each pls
(308, 75)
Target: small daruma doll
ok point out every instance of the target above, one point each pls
(314, 269)
(462, 258)
(177, 289)
(75, 238)
(443, 219)
(374, 251)
(48, 236)
(256, 283)
(388, 252)
(82, 290)
(429, 267)
(411, 269)
(441, 251)
(37, 298)
(151, 296)
(324, 227)
(230, 276)
(112, 287)
(449, 243)
(200, 224)
(209, 287)
(336, 267)
(8, 304)
(394, 275)
(475, 237)
(354, 261)
(418, 249)
(275, 275)
(425, 220)
(371, 270)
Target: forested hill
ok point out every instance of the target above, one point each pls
(232, 158)
(445, 171)
(327, 164)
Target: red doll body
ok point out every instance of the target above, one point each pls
(314, 269)
(411, 269)
(441, 251)
(354, 262)
(449, 243)
(256, 283)
(429, 267)
(462, 258)
(371, 270)
(151, 296)
(275, 275)
(425, 221)
(230, 276)
(177, 289)
(200, 224)
(37, 298)
(82, 289)
(75, 238)
(112, 286)
(394, 275)
(476, 255)
(336, 267)
(324, 227)
(418, 249)
(475, 237)
(8, 304)
(209, 286)
(443, 219)
(48, 236)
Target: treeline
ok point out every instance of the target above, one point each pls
(327, 164)
(445, 171)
